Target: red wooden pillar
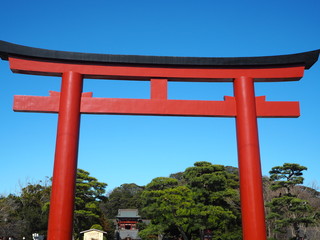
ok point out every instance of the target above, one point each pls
(65, 164)
(252, 205)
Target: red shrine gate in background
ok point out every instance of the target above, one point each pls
(70, 103)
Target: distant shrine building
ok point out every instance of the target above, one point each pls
(126, 224)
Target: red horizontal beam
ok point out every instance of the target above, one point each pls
(192, 108)
(146, 72)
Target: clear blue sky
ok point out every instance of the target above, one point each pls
(125, 149)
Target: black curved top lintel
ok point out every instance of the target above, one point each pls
(306, 59)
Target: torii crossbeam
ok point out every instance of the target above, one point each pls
(70, 103)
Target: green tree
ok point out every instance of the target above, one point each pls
(125, 196)
(170, 206)
(286, 176)
(11, 223)
(216, 192)
(26, 213)
(34, 209)
(287, 211)
(179, 176)
(89, 195)
(204, 197)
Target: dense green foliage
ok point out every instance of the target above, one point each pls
(25, 214)
(171, 207)
(125, 196)
(182, 206)
(89, 195)
(28, 213)
(289, 215)
(286, 176)
(203, 197)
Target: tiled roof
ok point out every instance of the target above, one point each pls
(128, 213)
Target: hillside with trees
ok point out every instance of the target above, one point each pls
(185, 205)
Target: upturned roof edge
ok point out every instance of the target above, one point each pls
(307, 59)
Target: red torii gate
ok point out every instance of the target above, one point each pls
(71, 103)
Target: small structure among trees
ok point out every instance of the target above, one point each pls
(93, 234)
(127, 220)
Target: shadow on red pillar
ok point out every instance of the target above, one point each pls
(251, 192)
(60, 224)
